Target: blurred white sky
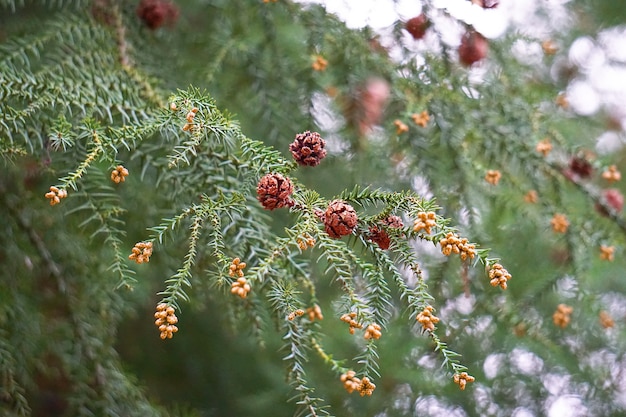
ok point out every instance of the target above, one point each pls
(600, 83)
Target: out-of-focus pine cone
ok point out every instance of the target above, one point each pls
(273, 191)
(308, 148)
(581, 166)
(395, 222)
(379, 236)
(614, 199)
(339, 219)
(156, 13)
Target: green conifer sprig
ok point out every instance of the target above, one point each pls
(12, 391)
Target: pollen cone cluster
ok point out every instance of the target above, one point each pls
(55, 195)
(166, 320)
(499, 276)
(141, 252)
(562, 315)
(453, 244)
(427, 319)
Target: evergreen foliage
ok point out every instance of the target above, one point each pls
(93, 91)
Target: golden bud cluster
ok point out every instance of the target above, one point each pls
(236, 268)
(493, 176)
(462, 379)
(349, 318)
(119, 174)
(141, 252)
(55, 195)
(425, 221)
(296, 313)
(315, 313)
(240, 287)
(544, 147)
(400, 127)
(366, 387)
(607, 253)
(372, 332)
(319, 64)
(549, 47)
(190, 116)
(421, 119)
(166, 320)
(306, 242)
(351, 383)
(562, 101)
(612, 174)
(499, 276)
(531, 197)
(561, 316)
(427, 319)
(453, 244)
(559, 223)
(606, 320)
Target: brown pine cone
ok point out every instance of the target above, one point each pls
(273, 191)
(395, 222)
(339, 219)
(156, 13)
(380, 237)
(308, 148)
(581, 166)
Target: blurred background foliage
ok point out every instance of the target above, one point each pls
(63, 334)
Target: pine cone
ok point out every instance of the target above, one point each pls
(339, 219)
(614, 199)
(395, 222)
(581, 166)
(379, 236)
(156, 13)
(417, 26)
(273, 191)
(308, 148)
